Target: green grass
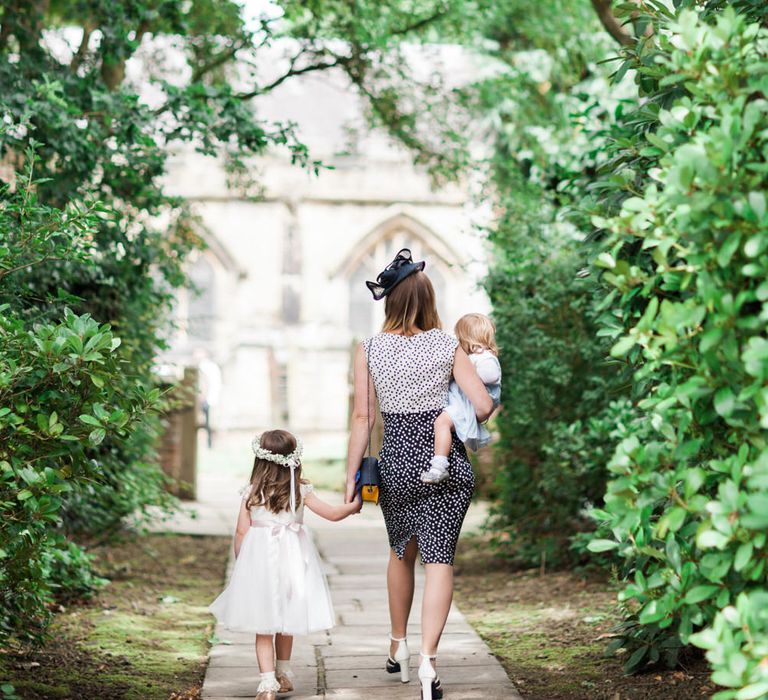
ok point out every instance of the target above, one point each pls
(127, 642)
(550, 632)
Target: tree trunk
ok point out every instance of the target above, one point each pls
(112, 73)
(611, 24)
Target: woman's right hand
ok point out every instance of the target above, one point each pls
(356, 505)
(349, 492)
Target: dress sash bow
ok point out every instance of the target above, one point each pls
(292, 578)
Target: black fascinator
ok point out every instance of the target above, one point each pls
(394, 273)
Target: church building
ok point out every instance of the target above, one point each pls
(281, 298)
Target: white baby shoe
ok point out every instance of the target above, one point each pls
(437, 471)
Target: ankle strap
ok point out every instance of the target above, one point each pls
(428, 656)
(395, 639)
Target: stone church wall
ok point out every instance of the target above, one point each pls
(283, 297)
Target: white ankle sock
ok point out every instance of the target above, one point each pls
(283, 667)
(440, 462)
(268, 682)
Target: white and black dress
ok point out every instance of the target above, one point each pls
(411, 375)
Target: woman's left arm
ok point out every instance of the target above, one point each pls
(363, 419)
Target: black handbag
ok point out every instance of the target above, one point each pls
(368, 477)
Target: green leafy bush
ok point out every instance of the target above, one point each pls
(557, 384)
(62, 394)
(555, 422)
(737, 645)
(686, 259)
(78, 418)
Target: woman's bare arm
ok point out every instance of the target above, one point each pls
(470, 383)
(363, 419)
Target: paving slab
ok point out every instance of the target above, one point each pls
(345, 663)
(373, 661)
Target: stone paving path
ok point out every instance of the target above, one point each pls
(346, 662)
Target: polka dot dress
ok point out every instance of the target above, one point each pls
(411, 376)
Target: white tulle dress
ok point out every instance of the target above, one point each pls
(277, 582)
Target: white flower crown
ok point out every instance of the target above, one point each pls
(290, 460)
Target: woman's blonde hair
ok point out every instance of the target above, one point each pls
(271, 482)
(411, 304)
(476, 332)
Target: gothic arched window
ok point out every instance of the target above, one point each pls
(201, 313)
(367, 316)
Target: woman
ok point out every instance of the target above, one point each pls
(411, 362)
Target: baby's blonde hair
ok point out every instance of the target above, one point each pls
(476, 332)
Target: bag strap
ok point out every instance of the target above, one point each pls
(368, 379)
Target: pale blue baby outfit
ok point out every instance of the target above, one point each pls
(473, 434)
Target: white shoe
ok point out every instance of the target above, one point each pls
(402, 658)
(286, 685)
(435, 474)
(430, 683)
(268, 689)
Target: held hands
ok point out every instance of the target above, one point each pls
(353, 498)
(350, 493)
(357, 504)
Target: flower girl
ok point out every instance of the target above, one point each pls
(277, 588)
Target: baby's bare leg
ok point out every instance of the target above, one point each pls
(438, 469)
(443, 437)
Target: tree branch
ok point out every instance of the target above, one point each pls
(82, 50)
(611, 24)
(420, 24)
(292, 72)
(113, 71)
(219, 60)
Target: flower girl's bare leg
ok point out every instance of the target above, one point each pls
(265, 652)
(284, 646)
(265, 655)
(283, 649)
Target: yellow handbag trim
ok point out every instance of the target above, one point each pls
(370, 494)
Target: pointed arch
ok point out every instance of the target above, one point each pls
(399, 226)
(374, 250)
(216, 248)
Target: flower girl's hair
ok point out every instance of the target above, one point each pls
(270, 480)
(476, 332)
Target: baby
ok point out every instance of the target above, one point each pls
(477, 337)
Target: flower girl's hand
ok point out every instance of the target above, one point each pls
(349, 494)
(357, 504)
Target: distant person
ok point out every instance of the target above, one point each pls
(477, 337)
(210, 390)
(408, 367)
(277, 588)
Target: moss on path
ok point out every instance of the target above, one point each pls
(145, 635)
(550, 632)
